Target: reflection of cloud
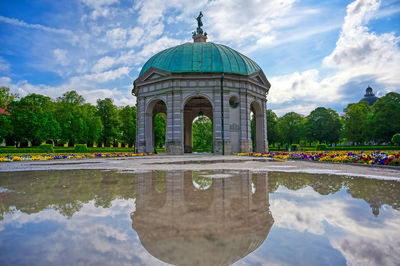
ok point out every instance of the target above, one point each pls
(362, 240)
(93, 236)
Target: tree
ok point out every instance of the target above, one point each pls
(202, 134)
(71, 97)
(5, 127)
(385, 118)
(396, 139)
(291, 127)
(127, 117)
(355, 122)
(69, 115)
(32, 119)
(109, 117)
(272, 130)
(6, 97)
(159, 130)
(93, 123)
(323, 125)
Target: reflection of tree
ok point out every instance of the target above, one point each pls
(375, 192)
(65, 191)
(201, 182)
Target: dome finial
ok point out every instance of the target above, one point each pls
(199, 35)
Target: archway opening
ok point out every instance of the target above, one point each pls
(202, 134)
(198, 117)
(159, 132)
(256, 122)
(155, 126)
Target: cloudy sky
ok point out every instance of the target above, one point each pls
(315, 53)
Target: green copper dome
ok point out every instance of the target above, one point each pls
(201, 57)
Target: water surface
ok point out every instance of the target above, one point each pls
(93, 217)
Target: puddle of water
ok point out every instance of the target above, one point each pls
(214, 161)
(94, 217)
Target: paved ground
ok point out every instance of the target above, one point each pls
(204, 162)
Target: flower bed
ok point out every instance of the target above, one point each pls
(362, 157)
(49, 156)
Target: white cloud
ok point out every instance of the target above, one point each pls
(100, 7)
(104, 63)
(101, 77)
(242, 22)
(17, 22)
(360, 241)
(116, 37)
(4, 65)
(359, 55)
(61, 57)
(363, 52)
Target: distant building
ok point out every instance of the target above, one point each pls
(369, 96)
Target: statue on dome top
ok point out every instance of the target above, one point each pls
(199, 35)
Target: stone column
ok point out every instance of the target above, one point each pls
(245, 124)
(265, 129)
(174, 143)
(140, 118)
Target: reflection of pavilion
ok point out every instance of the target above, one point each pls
(183, 218)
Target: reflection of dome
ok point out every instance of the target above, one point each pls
(202, 57)
(226, 228)
(369, 96)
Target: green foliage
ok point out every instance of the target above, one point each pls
(291, 127)
(294, 147)
(159, 130)
(272, 129)
(385, 119)
(127, 127)
(321, 147)
(32, 119)
(6, 128)
(81, 148)
(323, 125)
(109, 117)
(396, 139)
(202, 134)
(48, 148)
(355, 122)
(6, 97)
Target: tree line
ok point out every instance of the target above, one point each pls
(37, 118)
(68, 119)
(359, 124)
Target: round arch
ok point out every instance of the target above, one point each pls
(154, 107)
(194, 106)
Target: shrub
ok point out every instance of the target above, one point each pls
(81, 148)
(396, 139)
(321, 147)
(46, 148)
(294, 147)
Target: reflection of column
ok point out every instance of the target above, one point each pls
(175, 201)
